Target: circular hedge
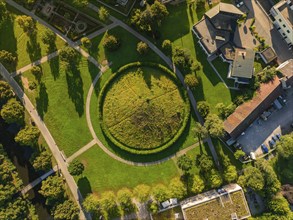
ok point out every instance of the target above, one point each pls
(142, 111)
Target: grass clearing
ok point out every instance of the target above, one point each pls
(143, 108)
(60, 100)
(223, 68)
(28, 49)
(103, 173)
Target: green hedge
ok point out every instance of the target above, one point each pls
(102, 98)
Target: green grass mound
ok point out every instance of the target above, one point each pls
(142, 109)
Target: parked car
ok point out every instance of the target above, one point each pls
(246, 157)
(264, 148)
(275, 138)
(272, 143)
(278, 136)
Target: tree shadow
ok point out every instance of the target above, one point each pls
(33, 48)
(84, 186)
(94, 71)
(75, 88)
(42, 100)
(55, 67)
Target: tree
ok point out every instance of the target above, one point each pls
(68, 55)
(36, 71)
(158, 11)
(12, 112)
(191, 80)
(142, 192)
(205, 163)
(86, 42)
(67, 210)
(239, 154)
(182, 59)
(146, 22)
(48, 37)
(108, 202)
(92, 204)
(26, 23)
(200, 131)
(5, 92)
(28, 136)
(53, 189)
(230, 174)
(76, 168)
(160, 193)
(214, 125)
(167, 47)
(215, 179)
(124, 197)
(110, 42)
(225, 111)
(177, 188)
(279, 205)
(252, 178)
(285, 146)
(81, 3)
(3, 11)
(184, 163)
(142, 48)
(103, 14)
(197, 185)
(7, 59)
(203, 108)
(43, 161)
(267, 74)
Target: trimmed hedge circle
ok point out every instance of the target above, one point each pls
(125, 147)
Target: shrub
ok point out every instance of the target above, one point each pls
(142, 48)
(111, 43)
(191, 80)
(167, 47)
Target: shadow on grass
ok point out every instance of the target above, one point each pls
(55, 67)
(84, 186)
(42, 100)
(33, 48)
(75, 87)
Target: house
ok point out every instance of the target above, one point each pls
(216, 34)
(249, 111)
(282, 13)
(226, 203)
(268, 55)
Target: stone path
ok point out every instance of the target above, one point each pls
(81, 151)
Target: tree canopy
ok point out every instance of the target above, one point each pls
(124, 198)
(26, 23)
(177, 188)
(197, 184)
(142, 192)
(184, 163)
(103, 14)
(43, 161)
(5, 92)
(12, 112)
(214, 125)
(53, 190)
(28, 136)
(67, 210)
(68, 55)
(76, 168)
(111, 42)
(203, 108)
(252, 178)
(190, 80)
(160, 192)
(48, 37)
(92, 204)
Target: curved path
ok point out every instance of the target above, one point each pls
(106, 150)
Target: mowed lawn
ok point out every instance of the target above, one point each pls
(143, 108)
(28, 49)
(60, 99)
(223, 68)
(211, 88)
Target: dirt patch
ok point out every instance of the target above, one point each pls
(25, 82)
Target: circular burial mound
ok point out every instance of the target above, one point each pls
(142, 110)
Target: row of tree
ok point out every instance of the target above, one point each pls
(110, 204)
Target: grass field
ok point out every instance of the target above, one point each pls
(143, 108)
(103, 173)
(60, 99)
(28, 49)
(223, 68)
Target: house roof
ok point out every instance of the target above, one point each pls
(269, 55)
(224, 8)
(243, 111)
(243, 63)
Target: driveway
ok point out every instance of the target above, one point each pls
(261, 131)
(266, 29)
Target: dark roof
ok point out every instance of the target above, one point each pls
(243, 63)
(244, 111)
(223, 8)
(269, 55)
(211, 38)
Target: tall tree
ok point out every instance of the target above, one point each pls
(158, 11)
(167, 47)
(124, 197)
(103, 14)
(68, 55)
(26, 23)
(12, 112)
(48, 37)
(8, 59)
(205, 163)
(76, 168)
(43, 161)
(53, 190)
(92, 204)
(184, 163)
(177, 188)
(279, 205)
(200, 132)
(190, 80)
(285, 146)
(197, 185)
(5, 92)
(215, 179)
(230, 174)
(28, 136)
(203, 108)
(108, 202)
(67, 210)
(86, 42)
(160, 192)
(253, 178)
(142, 192)
(214, 125)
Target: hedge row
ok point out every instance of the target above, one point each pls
(102, 98)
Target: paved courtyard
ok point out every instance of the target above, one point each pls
(261, 131)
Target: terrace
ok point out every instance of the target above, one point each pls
(227, 203)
